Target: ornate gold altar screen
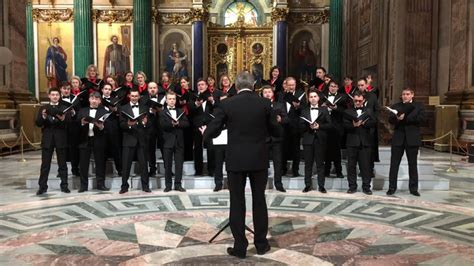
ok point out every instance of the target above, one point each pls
(239, 47)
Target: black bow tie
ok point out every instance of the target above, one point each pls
(135, 106)
(65, 97)
(358, 108)
(314, 108)
(153, 97)
(107, 98)
(332, 94)
(171, 109)
(93, 108)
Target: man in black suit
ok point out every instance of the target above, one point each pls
(371, 102)
(336, 103)
(173, 121)
(314, 122)
(291, 143)
(358, 122)
(92, 138)
(135, 139)
(73, 127)
(406, 137)
(276, 143)
(249, 121)
(200, 109)
(54, 136)
(113, 134)
(153, 101)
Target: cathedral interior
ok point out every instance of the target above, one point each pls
(427, 45)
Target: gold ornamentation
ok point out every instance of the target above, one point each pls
(317, 17)
(195, 14)
(199, 14)
(112, 16)
(279, 14)
(52, 15)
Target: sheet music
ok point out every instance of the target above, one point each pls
(221, 139)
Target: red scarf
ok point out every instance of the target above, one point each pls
(369, 88)
(75, 91)
(93, 81)
(142, 88)
(225, 89)
(321, 86)
(128, 84)
(348, 89)
(166, 86)
(185, 107)
(211, 89)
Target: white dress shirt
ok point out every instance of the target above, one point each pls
(92, 113)
(314, 113)
(136, 111)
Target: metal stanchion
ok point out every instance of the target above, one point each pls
(22, 159)
(451, 168)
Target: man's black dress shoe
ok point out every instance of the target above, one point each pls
(390, 191)
(232, 252)
(167, 189)
(180, 189)
(123, 190)
(280, 188)
(41, 191)
(367, 192)
(307, 189)
(82, 190)
(322, 190)
(103, 188)
(351, 191)
(65, 190)
(263, 251)
(415, 193)
(218, 188)
(147, 190)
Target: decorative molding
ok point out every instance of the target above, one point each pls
(317, 17)
(199, 14)
(279, 14)
(193, 15)
(52, 15)
(112, 16)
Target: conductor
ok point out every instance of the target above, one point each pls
(249, 122)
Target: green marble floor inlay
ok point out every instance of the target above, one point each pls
(176, 228)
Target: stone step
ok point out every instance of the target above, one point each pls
(426, 182)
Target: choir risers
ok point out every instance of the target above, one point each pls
(427, 179)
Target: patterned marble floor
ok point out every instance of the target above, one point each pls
(105, 228)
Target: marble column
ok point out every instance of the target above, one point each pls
(279, 16)
(335, 38)
(200, 17)
(83, 39)
(142, 37)
(30, 48)
(198, 51)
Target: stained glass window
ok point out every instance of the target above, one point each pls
(243, 9)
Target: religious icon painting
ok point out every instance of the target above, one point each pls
(55, 52)
(114, 49)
